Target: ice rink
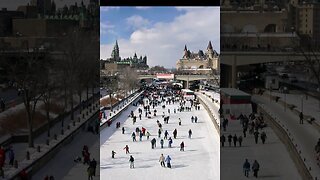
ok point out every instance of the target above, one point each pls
(200, 160)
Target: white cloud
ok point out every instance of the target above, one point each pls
(143, 7)
(137, 21)
(164, 42)
(107, 27)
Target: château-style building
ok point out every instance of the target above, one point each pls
(199, 63)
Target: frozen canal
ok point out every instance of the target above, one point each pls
(200, 160)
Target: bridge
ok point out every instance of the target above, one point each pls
(185, 78)
(233, 61)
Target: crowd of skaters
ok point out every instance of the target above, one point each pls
(86, 160)
(255, 124)
(148, 103)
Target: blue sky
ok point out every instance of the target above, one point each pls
(158, 32)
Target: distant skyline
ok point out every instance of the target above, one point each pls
(158, 32)
(13, 4)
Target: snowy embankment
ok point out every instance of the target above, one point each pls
(212, 106)
(36, 155)
(118, 109)
(200, 160)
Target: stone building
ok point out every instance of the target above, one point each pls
(199, 63)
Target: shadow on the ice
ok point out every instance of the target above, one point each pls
(178, 166)
(269, 176)
(105, 167)
(144, 166)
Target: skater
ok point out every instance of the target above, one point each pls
(175, 132)
(161, 143)
(195, 119)
(168, 111)
(140, 136)
(11, 156)
(153, 143)
(229, 139)
(123, 130)
(190, 133)
(222, 140)
(256, 136)
(148, 135)
(159, 133)
(170, 142)
(93, 164)
(133, 137)
(127, 149)
(131, 160)
(168, 160)
(166, 134)
(90, 173)
(235, 139)
(192, 118)
(174, 111)
(112, 154)
(182, 146)
(301, 117)
(140, 116)
(246, 168)
(263, 137)
(161, 160)
(240, 140)
(179, 122)
(255, 168)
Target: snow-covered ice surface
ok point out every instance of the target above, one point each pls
(304, 135)
(200, 160)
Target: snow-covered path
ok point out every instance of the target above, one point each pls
(200, 160)
(305, 136)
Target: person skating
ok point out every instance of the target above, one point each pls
(301, 117)
(195, 119)
(235, 139)
(133, 137)
(229, 139)
(11, 156)
(179, 122)
(140, 136)
(131, 160)
(168, 160)
(246, 168)
(140, 116)
(161, 160)
(166, 134)
(153, 143)
(161, 143)
(90, 173)
(170, 142)
(113, 153)
(263, 137)
(175, 132)
(93, 164)
(222, 140)
(255, 168)
(159, 133)
(256, 136)
(192, 119)
(127, 149)
(182, 146)
(190, 133)
(123, 130)
(240, 140)
(148, 135)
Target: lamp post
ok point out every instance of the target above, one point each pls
(318, 90)
(285, 98)
(270, 88)
(302, 104)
